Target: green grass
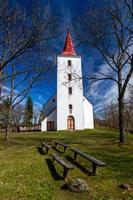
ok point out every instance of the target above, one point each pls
(25, 173)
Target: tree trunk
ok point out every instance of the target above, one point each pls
(18, 129)
(122, 135)
(6, 134)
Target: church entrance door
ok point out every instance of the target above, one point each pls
(50, 126)
(70, 123)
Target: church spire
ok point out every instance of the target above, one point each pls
(68, 47)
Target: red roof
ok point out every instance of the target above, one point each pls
(68, 47)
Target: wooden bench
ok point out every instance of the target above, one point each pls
(95, 162)
(46, 146)
(61, 144)
(67, 166)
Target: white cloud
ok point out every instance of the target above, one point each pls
(37, 105)
(104, 92)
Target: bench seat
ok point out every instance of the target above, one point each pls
(61, 144)
(61, 161)
(95, 162)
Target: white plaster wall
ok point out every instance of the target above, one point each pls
(63, 98)
(44, 125)
(88, 115)
(51, 117)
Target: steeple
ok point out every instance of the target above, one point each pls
(68, 47)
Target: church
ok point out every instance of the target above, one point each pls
(68, 109)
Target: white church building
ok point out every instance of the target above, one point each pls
(68, 109)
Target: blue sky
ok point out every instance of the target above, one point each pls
(102, 93)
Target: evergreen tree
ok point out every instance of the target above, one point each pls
(28, 113)
(5, 116)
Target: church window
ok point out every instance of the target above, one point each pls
(70, 90)
(70, 107)
(69, 77)
(69, 63)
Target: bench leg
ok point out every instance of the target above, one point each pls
(55, 145)
(65, 172)
(75, 156)
(94, 169)
(47, 150)
(65, 148)
(43, 148)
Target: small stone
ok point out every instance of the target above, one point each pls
(124, 186)
(77, 185)
(127, 186)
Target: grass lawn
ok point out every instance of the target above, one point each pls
(27, 174)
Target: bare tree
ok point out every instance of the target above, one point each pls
(36, 117)
(108, 28)
(4, 116)
(24, 32)
(17, 118)
(129, 111)
(25, 35)
(25, 46)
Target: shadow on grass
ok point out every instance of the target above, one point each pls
(41, 151)
(57, 150)
(82, 168)
(64, 186)
(52, 170)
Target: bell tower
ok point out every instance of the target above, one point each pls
(70, 105)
